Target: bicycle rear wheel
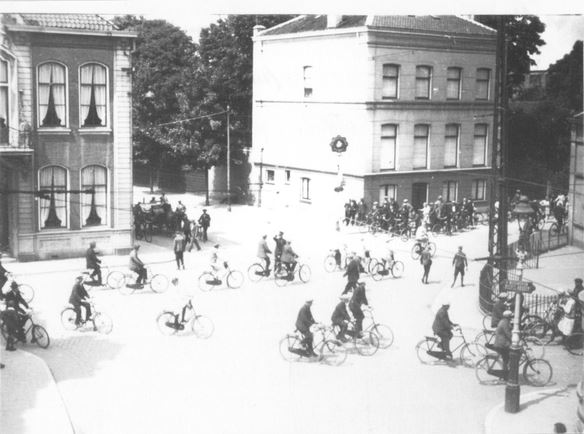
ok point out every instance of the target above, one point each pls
(333, 353)
(115, 279)
(255, 272)
(304, 273)
(378, 272)
(416, 251)
(537, 372)
(159, 283)
(206, 281)
(432, 248)
(26, 291)
(487, 318)
(234, 279)
(485, 337)
(533, 347)
(330, 264)
(103, 323)
(371, 266)
(487, 367)
(384, 334)
(471, 354)
(165, 323)
(290, 347)
(40, 336)
(203, 327)
(422, 349)
(68, 316)
(575, 343)
(366, 345)
(397, 269)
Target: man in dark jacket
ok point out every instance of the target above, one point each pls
(341, 317)
(3, 275)
(92, 262)
(14, 297)
(499, 307)
(460, 264)
(280, 242)
(303, 323)
(358, 299)
(205, 222)
(442, 327)
(352, 272)
(503, 337)
(78, 298)
(11, 322)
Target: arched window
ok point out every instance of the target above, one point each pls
(54, 199)
(93, 95)
(52, 95)
(94, 205)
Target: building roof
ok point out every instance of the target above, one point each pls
(68, 21)
(406, 23)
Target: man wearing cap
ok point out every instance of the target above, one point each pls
(358, 299)
(499, 308)
(78, 298)
(460, 264)
(179, 244)
(442, 327)
(341, 317)
(14, 297)
(352, 272)
(137, 266)
(578, 288)
(92, 262)
(205, 222)
(264, 254)
(280, 242)
(303, 323)
(11, 322)
(288, 258)
(503, 336)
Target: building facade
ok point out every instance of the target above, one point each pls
(411, 95)
(576, 191)
(66, 135)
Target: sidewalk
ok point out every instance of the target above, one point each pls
(538, 413)
(30, 401)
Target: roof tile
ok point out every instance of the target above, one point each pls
(69, 21)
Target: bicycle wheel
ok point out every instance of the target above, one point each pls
(281, 278)
(165, 323)
(234, 279)
(40, 336)
(575, 343)
(432, 248)
(371, 266)
(378, 272)
(103, 323)
(533, 347)
(127, 288)
(537, 372)
(159, 283)
(536, 327)
(487, 318)
(471, 353)
(333, 353)
(203, 327)
(367, 344)
(485, 337)
(255, 272)
(422, 349)
(304, 273)
(330, 264)
(26, 291)
(436, 229)
(384, 334)
(115, 279)
(485, 369)
(416, 251)
(290, 348)
(206, 281)
(397, 269)
(68, 316)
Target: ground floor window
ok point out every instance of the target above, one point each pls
(388, 191)
(94, 205)
(305, 189)
(478, 189)
(449, 191)
(53, 201)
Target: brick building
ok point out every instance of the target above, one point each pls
(65, 135)
(412, 95)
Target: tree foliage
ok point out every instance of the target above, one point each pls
(564, 81)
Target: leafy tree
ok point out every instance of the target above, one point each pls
(564, 82)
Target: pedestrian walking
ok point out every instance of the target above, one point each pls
(460, 265)
(205, 222)
(426, 261)
(179, 249)
(194, 232)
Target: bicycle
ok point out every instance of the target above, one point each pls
(383, 268)
(330, 351)
(383, 332)
(208, 280)
(169, 324)
(100, 321)
(38, 334)
(125, 282)
(419, 247)
(429, 350)
(143, 231)
(282, 277)
(529, 344)
(536, 372)
(330, 261)
(257, 272)
(92, 281)
(366, 343)
(25, 290)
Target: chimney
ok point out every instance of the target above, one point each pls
(257, 29)
(332, 21)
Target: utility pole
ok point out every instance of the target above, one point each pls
(261, 177)
(228, 165)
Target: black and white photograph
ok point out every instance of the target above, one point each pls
(291, 218)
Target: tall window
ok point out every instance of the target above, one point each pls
(388, 191)
(270, 176)
(287, 176)
(453, 80)
(307, 81)
(305, 189)
(390, 81)
(482, 83)
(4, 108)
(451, 145)
(421, 134)
(388, 146)
(94, 206)
(52, 98)
(423, 81)
(93, 96)
(479, 148)
(478, 189)
(53, 203)
(449, 191)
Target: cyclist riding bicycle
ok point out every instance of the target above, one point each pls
(215, 261)
(442, 327)
(304, 321)
(183, 304)
(288, 258)
(503, 337)
(79, 297)
(389, 258)
(264, 254)
(14, 297)
(137, 266)
(422, 235)
(92, 262)
(358, 300)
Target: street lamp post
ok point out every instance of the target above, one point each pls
(228, 165)
(261, 177)
(522, 211)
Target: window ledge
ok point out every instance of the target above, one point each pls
(97, 130)
(54, 131)
(387, 169)
(478, 165)
(306, 201)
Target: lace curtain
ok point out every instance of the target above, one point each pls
(53, 209)
(51, 91)
(93, 96)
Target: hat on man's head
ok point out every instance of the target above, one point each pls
(344, 297)
(216, 246)
(507, 313)
(578, 281)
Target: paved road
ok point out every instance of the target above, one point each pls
(136, 380)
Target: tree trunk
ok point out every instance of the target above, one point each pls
(206, 186)
(151, 176)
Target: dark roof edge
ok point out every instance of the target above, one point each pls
(40, 29)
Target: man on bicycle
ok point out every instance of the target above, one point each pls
(503, 337)
(21, 307)
(79, 297)
(264, 254)
(341, 317)
(215, 261)
(289, 259)
(92, 262)
(352, 272)
(280, 242)
(389, 257)
(10, 321)
(442, 327)
(358, 299)
(303, 322)
(137, 266)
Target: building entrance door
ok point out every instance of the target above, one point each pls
(419, 194)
